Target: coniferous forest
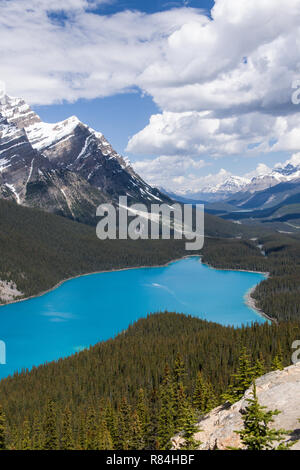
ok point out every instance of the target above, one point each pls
(38, 250)
(159, 377)
(139, 389)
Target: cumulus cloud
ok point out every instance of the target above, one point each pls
(225, 86)
(168, 171)
(64, 50)
(223, 83)
(186, 182)
(294, 160)
(242, 59)
(180, 174)
(202, 133)
(261, 169)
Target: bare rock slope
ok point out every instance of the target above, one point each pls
(275, 390)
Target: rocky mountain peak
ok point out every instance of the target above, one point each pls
(17, 112)
(65, 167)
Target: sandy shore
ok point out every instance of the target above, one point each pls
(250, 301)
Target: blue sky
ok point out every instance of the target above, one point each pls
(120, 116)
(192, 91)
(152, 6)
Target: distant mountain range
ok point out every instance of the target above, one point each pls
(281, 173)
(66, 168)
(271, 199)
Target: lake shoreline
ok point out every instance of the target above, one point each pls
(95, 272)
(248, 299)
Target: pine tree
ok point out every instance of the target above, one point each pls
(92, 430)
(166, 414)
(143, 411)
(37, 438)
(257, 434)
(2, 430)
(82, 432)
(180, 399)
(111, 420)
(259, 368)
(14, 439)
(211, 398)
(67, 441)
(241, 380)
(105, 439)
(179, 369)
(124, 425)
(189, 430)
(50, 427)
(204, 398)
(277, 363)
(152, 441)
(181, 408)
(137, 438)
(26, 433)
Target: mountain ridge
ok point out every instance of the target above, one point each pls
(232, 185)
(67, 167)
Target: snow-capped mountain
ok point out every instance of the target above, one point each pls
(230, 185)
(67, 167)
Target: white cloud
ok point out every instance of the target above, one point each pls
(168, 172)
(244, 59)
(202, 133)
(179, 173)
(294, 160)
(48, 58)
(261, 169)
(223, 84)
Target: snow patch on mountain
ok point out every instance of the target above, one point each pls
(17, 112)
(264, 178)
(42, 135)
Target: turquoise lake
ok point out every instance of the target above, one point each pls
(88, 309)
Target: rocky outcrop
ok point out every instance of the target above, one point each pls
(9, 291)
(276, 390)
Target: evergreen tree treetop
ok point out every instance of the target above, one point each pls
(257, 433)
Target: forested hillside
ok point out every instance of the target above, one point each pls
(121, 393)
(38, 250)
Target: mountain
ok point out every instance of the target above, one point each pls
(271, 199)
(277, 207)
(275, 390)
(211, 192)
(66, 168)
(245, 186)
